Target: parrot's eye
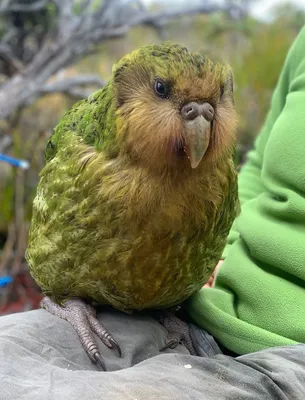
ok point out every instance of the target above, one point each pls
(161, 89)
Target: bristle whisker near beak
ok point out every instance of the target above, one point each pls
(156, 136)
(177, 144)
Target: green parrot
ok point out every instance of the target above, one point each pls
(139, 191)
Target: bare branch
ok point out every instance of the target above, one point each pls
(163, 16)
(68, 83)
(71, 86)
(78, 93)
(9, 6)
(67, 20)
(75, 36)
(5, 142)
(7, 55)
(9, 35)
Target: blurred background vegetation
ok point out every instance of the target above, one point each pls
(37, 34)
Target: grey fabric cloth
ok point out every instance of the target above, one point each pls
(41, 358)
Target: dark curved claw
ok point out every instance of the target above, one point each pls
(100, 361)
(172, 344)
(83, 319)
(178, 332)
(115, 346)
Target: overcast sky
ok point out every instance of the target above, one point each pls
(261, 9)
(262, 6)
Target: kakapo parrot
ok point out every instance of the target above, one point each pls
(139, 190)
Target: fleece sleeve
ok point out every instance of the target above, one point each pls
(258, 299)
(250, 184)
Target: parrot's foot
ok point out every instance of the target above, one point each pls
(178, 332)
(82, 317)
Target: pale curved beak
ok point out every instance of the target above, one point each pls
(197, 134)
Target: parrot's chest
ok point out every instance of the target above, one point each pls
(127, 240)
(148, 273)
(156, 254)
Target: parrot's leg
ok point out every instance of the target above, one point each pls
(82, 317)
(178, 332)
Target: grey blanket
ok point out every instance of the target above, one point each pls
(41, 358)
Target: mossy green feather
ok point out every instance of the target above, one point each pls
(107, 230)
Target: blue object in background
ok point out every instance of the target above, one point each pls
(15, 162)
(5, 280)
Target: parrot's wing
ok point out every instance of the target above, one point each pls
(91, 119)
(61, 215)
(65, 219)
(71, 124)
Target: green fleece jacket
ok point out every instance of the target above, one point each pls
(259, 295)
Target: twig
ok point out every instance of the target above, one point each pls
(9, 6)
(78, 93)
(7, 55)
(66, 85)
(76, 36)
(5, 142)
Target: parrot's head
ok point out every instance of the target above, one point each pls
(173, 107)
